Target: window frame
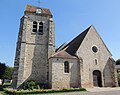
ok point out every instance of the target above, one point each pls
(66, 67)
(40, 29)
(95, 49)
(96, 62)
(35, 26)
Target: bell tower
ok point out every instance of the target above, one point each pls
(36, 43)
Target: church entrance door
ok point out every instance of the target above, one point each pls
(97, 80)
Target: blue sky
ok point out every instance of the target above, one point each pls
(71, 17)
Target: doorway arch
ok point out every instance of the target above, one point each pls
(97, 79)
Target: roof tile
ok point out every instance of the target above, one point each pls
(32, 9)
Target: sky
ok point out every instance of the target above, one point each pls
(71, 17)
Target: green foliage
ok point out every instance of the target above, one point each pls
(1, 88)
(2, 70)
(4, 86)
(8, 73)
(14, 92)
(5, 72)
(30, 85)
(118, 62)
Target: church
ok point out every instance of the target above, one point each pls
(83, 62)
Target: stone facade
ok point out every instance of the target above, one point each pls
(88, 56)
(59, 79)
(33, 49)
(89, 61)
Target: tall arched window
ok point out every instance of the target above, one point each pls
(34, 26)
(40, 28)
(66, 67)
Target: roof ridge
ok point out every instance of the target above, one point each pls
(28, 5)
(76, 42)
(73, 43)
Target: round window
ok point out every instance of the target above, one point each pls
(94, 49)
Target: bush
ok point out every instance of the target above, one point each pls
(15, 92)
(30, 85)
(4, 86)
(1, 88)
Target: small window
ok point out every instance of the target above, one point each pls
(66, 67)
(34, 26)
(96, 62)
(40, 28)
(94, 49)
(47, 75)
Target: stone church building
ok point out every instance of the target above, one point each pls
(83, 62)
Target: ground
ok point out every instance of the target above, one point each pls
(94, 91)
(89, 93)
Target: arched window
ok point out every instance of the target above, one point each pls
(40, 28)
(34, 26)
(66, 67)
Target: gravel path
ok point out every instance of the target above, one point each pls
(89, 93)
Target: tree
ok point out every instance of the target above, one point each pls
(118, 62)
(8, 73)
(5, 72)
(2, 71)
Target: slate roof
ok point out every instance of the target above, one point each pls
(60, 47)
(32, 9)
(71, 48)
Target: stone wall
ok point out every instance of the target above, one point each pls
(88, 56)
(59, 79)
(33, 51)
(17, 61)
(110, 74)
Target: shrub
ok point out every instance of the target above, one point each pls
(15, 92)
(30, 85)
(1, 88)
(4, 86)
